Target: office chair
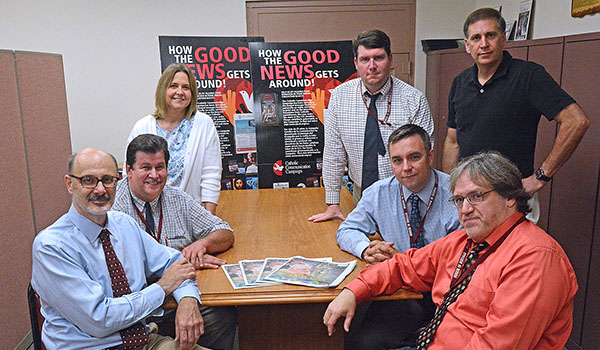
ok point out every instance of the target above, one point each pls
(36, 318)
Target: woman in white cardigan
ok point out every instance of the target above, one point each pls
(195, 155)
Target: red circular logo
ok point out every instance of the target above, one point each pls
(278, 168)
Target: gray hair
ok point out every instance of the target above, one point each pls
(495, 169)
(73, 156)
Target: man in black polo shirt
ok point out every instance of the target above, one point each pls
(497, 104)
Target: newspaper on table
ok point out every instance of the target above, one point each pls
(272, 264)
(236, 277)
(251, 270)
(311, 272)
(252, 273)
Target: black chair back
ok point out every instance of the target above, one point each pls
(36, 318)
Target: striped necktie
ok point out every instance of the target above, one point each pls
(427, 335)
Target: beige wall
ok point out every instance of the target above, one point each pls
(111, 59)
(110, 52)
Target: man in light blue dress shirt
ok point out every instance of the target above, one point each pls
(72, 278)
(386, 208)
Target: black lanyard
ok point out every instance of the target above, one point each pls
(458, 277)
(413, 238)
(151, 229)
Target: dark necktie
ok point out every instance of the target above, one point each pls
(134, 337)
(427, 335)
(415, 221)
(373, 144)
(149, 219)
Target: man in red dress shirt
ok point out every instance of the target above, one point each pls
(520, 292)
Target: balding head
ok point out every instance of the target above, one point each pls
(90, 152)
(94, 164)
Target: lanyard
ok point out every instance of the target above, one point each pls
(160, 220)
(389, 104)
(456, 279)
(413, 238)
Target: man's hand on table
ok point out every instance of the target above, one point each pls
(333, 211)
(379, 251)
(343, 305)
(189, 325)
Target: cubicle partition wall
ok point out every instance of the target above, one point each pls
(570, 204)
(34, 145)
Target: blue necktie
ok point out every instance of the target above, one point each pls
(149, 218)
(373, 145)
(415, 221)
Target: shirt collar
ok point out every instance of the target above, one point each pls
(425, 193)
(501, 230)
(384, 89)
(138, 202)
(89, 228)
(500, 71)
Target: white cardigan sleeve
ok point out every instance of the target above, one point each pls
(203, 164)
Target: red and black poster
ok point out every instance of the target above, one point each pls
(221, 66)
(292, 83)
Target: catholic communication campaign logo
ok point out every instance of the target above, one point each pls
(278, 168)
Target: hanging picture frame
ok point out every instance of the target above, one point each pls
(580, 8)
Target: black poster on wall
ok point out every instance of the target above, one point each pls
(292, 83)
(221, 66)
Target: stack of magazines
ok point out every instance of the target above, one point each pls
(322, 273)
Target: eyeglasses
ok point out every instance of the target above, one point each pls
(473, 198)
(89, 181)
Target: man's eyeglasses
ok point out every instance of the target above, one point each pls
(473, 198)
(89, 181)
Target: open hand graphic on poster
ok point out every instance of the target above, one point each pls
(316, 96)
(234, 96)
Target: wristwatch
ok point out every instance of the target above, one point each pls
(540, 175)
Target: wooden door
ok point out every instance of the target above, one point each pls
(298, 21)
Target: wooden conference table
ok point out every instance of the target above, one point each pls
(272, 223)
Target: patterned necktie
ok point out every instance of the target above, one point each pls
(415, 221)
(373, 144)
(135, 336)
(427, 335)
(149, 218)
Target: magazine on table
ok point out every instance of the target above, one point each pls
(311, 272)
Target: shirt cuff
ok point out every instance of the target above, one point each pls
(360, 290)
(359, 249)
(186, 290)
(332, 197)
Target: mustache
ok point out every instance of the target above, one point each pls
(105, 197)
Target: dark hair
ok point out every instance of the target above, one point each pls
(502, 174)
(481, 14)
(73, 156)
(372, 39)
(408, 130)
(149, 144)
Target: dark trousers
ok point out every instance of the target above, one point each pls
(388, 324)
